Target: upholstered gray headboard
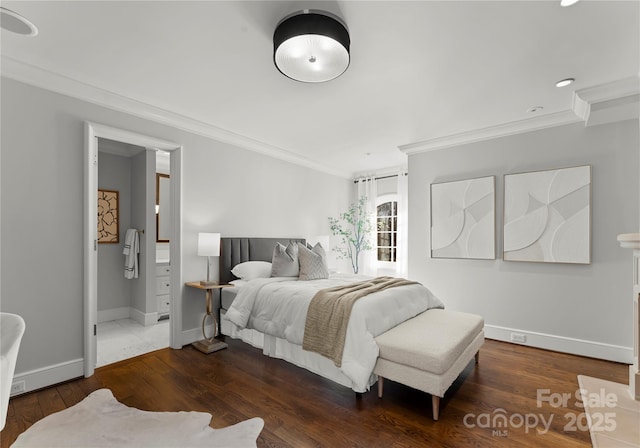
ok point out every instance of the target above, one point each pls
(238, 250)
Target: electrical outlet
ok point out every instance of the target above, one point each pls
(518, 337)
(18, 387)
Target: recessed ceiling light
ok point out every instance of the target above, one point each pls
(565, 3)
(565, 82)
(14, 22)
(535, 109)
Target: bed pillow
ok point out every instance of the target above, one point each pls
(252, 269)
(284, 262)
(313, 262)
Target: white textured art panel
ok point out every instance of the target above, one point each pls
(463, 219)
(547, 216)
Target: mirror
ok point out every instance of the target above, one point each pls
(163, 212)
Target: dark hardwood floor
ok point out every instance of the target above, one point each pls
(301, 409)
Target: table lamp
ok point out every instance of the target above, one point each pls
(208, 246)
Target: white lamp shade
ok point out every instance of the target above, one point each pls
(312, 58)
(209, 244)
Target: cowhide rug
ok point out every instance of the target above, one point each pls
(101, 421)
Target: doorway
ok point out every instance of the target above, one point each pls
(93, 132)
(132, 320)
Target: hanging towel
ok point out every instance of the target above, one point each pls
(130, 251)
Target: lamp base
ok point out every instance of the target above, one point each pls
(206, 283)
(210, 345)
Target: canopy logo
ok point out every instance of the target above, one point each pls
(500, 422)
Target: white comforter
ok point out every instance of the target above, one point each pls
(278, 307)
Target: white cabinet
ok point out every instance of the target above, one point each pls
(163, 289)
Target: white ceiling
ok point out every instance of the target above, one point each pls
(420, 70)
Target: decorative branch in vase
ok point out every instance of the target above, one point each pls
(354, 228)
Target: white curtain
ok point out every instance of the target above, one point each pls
(402, 250)
(369, 258)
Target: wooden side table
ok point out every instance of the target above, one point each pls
(209, 344)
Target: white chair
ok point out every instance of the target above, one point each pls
(11, 330)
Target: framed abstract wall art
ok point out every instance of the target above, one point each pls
(463, 219)
(547, 216)
(108, 228)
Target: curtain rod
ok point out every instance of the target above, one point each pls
(362, 179)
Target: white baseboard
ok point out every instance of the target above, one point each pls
(50, 375)
(563, 344)
(145, 319)
(190, 336)
(127, 312)
(114, 314)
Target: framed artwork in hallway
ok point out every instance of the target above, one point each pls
(108, 228)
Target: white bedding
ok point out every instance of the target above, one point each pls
(278, 307)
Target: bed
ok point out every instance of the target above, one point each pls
(270, 312)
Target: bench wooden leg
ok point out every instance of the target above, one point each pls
(380, 386)
(477, 356)
(435, 406)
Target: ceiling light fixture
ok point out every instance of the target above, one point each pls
(565, 3)
(311, 46)
(14, 22)
(565, 82)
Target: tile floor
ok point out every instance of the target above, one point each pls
(126, 338)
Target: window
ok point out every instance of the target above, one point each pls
(387, 230)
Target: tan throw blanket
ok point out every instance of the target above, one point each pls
(329, 312)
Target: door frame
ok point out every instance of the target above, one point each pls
(93, 131)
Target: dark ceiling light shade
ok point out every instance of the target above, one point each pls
(14, 22)
(311, 46)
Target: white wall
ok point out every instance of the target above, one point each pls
(578, 308)
(134, 179)
(225, 189)
(388, 185)
(143, 288)
(114, 291)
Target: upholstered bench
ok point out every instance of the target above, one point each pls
(429, 351)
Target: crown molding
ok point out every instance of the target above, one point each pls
(594, 105)
(391, 171)
(605, 103)
(29, 74)
(488, 133)
(610, 91)
(614, 101)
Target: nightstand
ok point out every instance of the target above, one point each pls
(209, 344)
